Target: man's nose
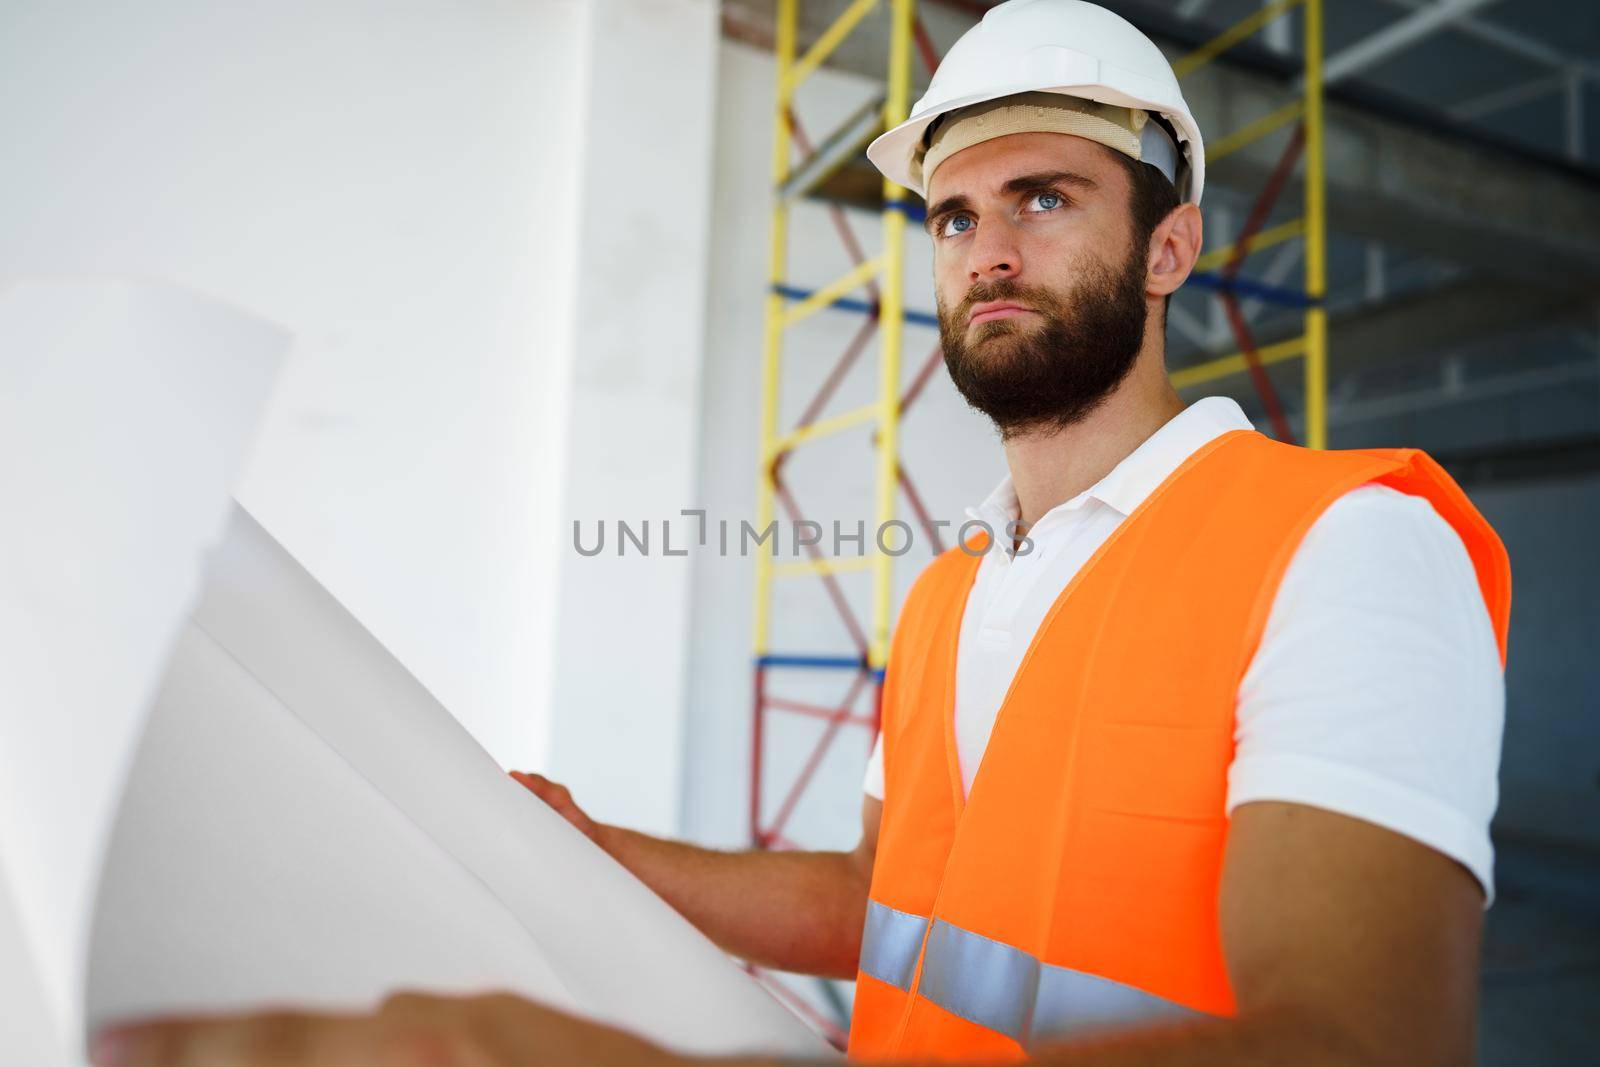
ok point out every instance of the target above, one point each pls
(994, 253)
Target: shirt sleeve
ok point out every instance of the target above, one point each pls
(1377, 690)
(872, 784)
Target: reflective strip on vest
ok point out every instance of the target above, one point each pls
(1000, 987)
(890, 944)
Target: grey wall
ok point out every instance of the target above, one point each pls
(1550, 769)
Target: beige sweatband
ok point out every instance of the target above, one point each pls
(1113, 126)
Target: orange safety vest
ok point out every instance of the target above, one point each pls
(1078, 884)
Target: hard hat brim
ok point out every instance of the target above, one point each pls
(891, 152)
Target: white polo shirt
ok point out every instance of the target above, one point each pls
(1376, 691)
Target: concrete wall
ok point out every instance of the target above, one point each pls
(366, 176)
(1550, 766)
(1550, 760)
(484, 224)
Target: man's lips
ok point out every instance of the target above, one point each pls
(995, 309)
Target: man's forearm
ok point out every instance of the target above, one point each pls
(796, 911)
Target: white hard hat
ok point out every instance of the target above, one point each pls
(1058, 46)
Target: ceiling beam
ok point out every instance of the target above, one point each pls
(1509, 40)
(1397, 37)
(1419, 325)
(1511, 96)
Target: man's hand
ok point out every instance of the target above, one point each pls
(410, 1030)
(559, 798)
(791, 911)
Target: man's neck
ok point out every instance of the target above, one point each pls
(1048, 469)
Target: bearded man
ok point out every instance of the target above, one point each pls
(1195, 764)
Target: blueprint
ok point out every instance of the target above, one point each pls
(217, 790)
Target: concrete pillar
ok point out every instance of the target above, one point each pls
(633, 418)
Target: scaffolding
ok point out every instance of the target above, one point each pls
(787, 307)
(1219, 269)
(824, 171)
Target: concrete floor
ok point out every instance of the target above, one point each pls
(1541, 964)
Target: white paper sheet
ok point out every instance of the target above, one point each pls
(303, 825)
(28, 1033)
(306, 825)
(126, 410)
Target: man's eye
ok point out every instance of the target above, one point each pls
(1048, 201)
(956, 224)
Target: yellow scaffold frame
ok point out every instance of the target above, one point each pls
(886, 269)
(1312, 344)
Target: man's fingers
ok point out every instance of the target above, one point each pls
(411, 1030)
(275, 1040)
(559, 799)
(536, 782)
(131, 1046)
(557, 796)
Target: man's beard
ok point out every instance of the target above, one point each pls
(1047, 376)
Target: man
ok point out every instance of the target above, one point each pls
(1194, 766)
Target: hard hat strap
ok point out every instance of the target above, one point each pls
(1159, 148)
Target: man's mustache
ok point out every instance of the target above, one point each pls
(1006, 289)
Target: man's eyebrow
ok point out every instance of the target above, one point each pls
(948, 204)
(1029, 182)
(1022, 183)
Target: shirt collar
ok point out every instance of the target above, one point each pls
(1140, 472)
(998, 508)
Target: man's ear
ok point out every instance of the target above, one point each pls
(1174, 246)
